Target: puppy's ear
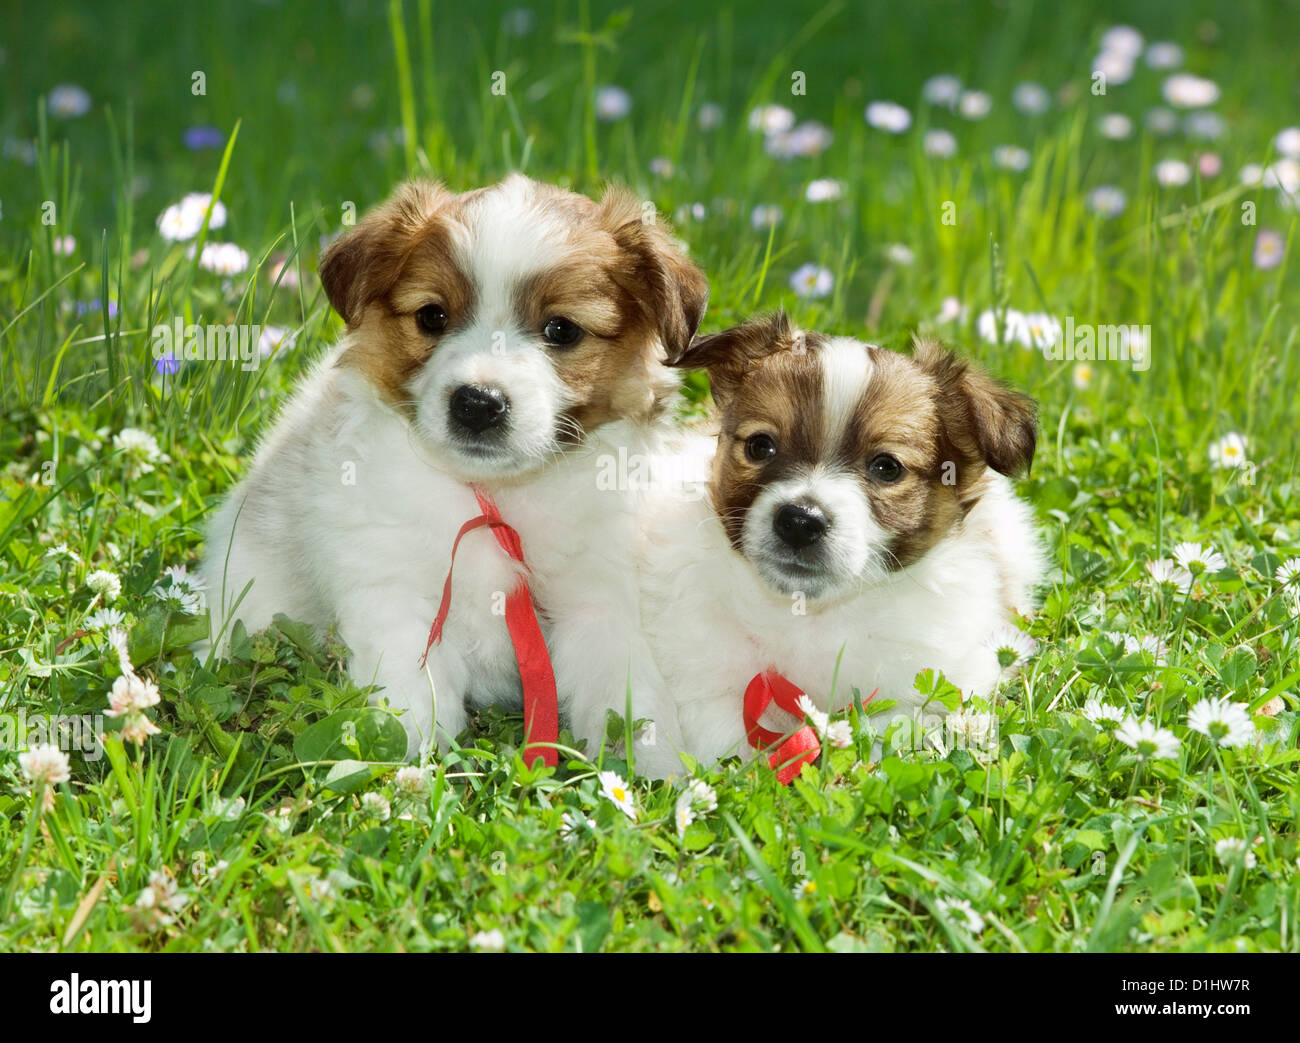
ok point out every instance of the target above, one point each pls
(671, 289)
(727, 356)
(365, 263)
(983, 417)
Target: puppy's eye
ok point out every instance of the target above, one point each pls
(760, 447)
(431, 318)
(884, 468)
(561, 332)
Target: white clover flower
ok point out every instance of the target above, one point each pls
(1150, 742)
(104, 583)
(1185, 91)
(410, 780)
(1196, 559)
(45, 765)
(68, 101)
(488, 941)
(1102, 714)
(131, 694)
(62, 550)
(572, 825)
(1107, 201)
(765, 216)
(138, 728)
(939, 144)
(888, 116)
(162, 895)
(810, 710)
(1032, 99)
(703, 797)
(223, 258)
(824, 190)
(943, 90)
(710, 116)
(900, 254)
(376, 806)
(1235, 851)
(612, 104)
(976, 732)
(139, 450)
(771, 119)
(840, 734)
(812, 281)
(1164, 54)
(1222, 721)
(615, 789)
(960, 909)
(974, 105)
(1012, 647)
(103, 619)
(1288, 573)
(1115, 126)
(1172, 173)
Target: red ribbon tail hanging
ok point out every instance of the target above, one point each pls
(536, 676)
(792, 752)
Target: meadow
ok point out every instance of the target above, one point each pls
(998, 176)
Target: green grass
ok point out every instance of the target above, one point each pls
(1061, 842)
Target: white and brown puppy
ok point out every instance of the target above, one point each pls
(508, 338)
(858, 503)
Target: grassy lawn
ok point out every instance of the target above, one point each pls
(267, 812)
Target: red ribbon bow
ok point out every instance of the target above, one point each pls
(799, 748)
(536, 675)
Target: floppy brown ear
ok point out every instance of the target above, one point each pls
(365, 263)
(672, 290)
(728, 355)
(983, 417)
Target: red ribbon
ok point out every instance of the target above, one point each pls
(795, 750)
(536, 675)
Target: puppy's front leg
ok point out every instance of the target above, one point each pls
(387, 632)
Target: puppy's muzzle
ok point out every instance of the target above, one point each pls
(799, 525)
(475, 408)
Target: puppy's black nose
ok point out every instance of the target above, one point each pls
(798, 525)
(477, 408)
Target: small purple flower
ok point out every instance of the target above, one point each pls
(167, 365)
(203, 136)
(94, 307)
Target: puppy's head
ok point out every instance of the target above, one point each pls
(507, 322)
(839, 462)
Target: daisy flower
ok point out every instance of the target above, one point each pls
(1204, 126)
(1032, 99)
(572, 825)
(1150, 742)
(488, 941)
(771, 119)
(1011, 157)
(1015, 329)
(1229, 451)
(1013, 647)
(1122, 39)
(1222, 721)
(62, 550)
(139, 449)
(1269, 249)
(1163, 571)
(103, 619)
(960, 909)
(105, 584)
(68, 101)
(1287, 142)
(1082, 376)
(698, 798)
(1234, 851)
(1043, 330)
(888, 116)
(1102, 714)
(765, 216)
(974, 105)
(615, 789)
(1164, 54)
(824, 190)
(805, 889)
(1172, 173)
(64, 245)
(950, 310)
(1288, 573)
(812, 281)
(223, 258)
(612, 104)
(939, 144)
(972, 731)
(1115, 126)
(900, 254)
(807, 139)
(840, 734)
(1184, 91)
(1161, 121)
(810, 710)
(1196, 559)
(1149, 643)
(1114, 66)
(942, 90)
(661, 166)
(710, 116)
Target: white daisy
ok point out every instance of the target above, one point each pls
(488, 941)
(223, 258)
(573, 824)
(1150, 742)
(765, 216)
(1107, 201)
(103, 619)
(950, 310)
(1204, 126)
(939, 144)
(1081, 376)
(612, 104)
(1196, 559)
(824, 190)
(840, 734)
(900, 254)
(807, 139)
(812, 281)
(809, 709)
(1114, 66)
(1161, 121)
(662, 166)
(1229, 451)
(68, 101)
(1015, 329)
(1043, 330)
(1163, 571)
(1148, 643)
(960, 909)
(1269, 249)
(1102, 714)
(1122, 39)
(1252, 175)
(1032, 99)
(1163, 54)
(64, 245)
(1115, 126)
(888, 116)
(1185, 91)
(1222, 721)
(615, 789)
(943, 90)
(1011, 157)
(974, 105)
(1287, 142)
(1172, 173)
(104, 583)
(1288, 573)
(710, 116)
(1013, 647)
(771, 119)
(1235, 851)
(177, 224)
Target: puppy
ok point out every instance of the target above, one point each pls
(502, 341)
(858, 502)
